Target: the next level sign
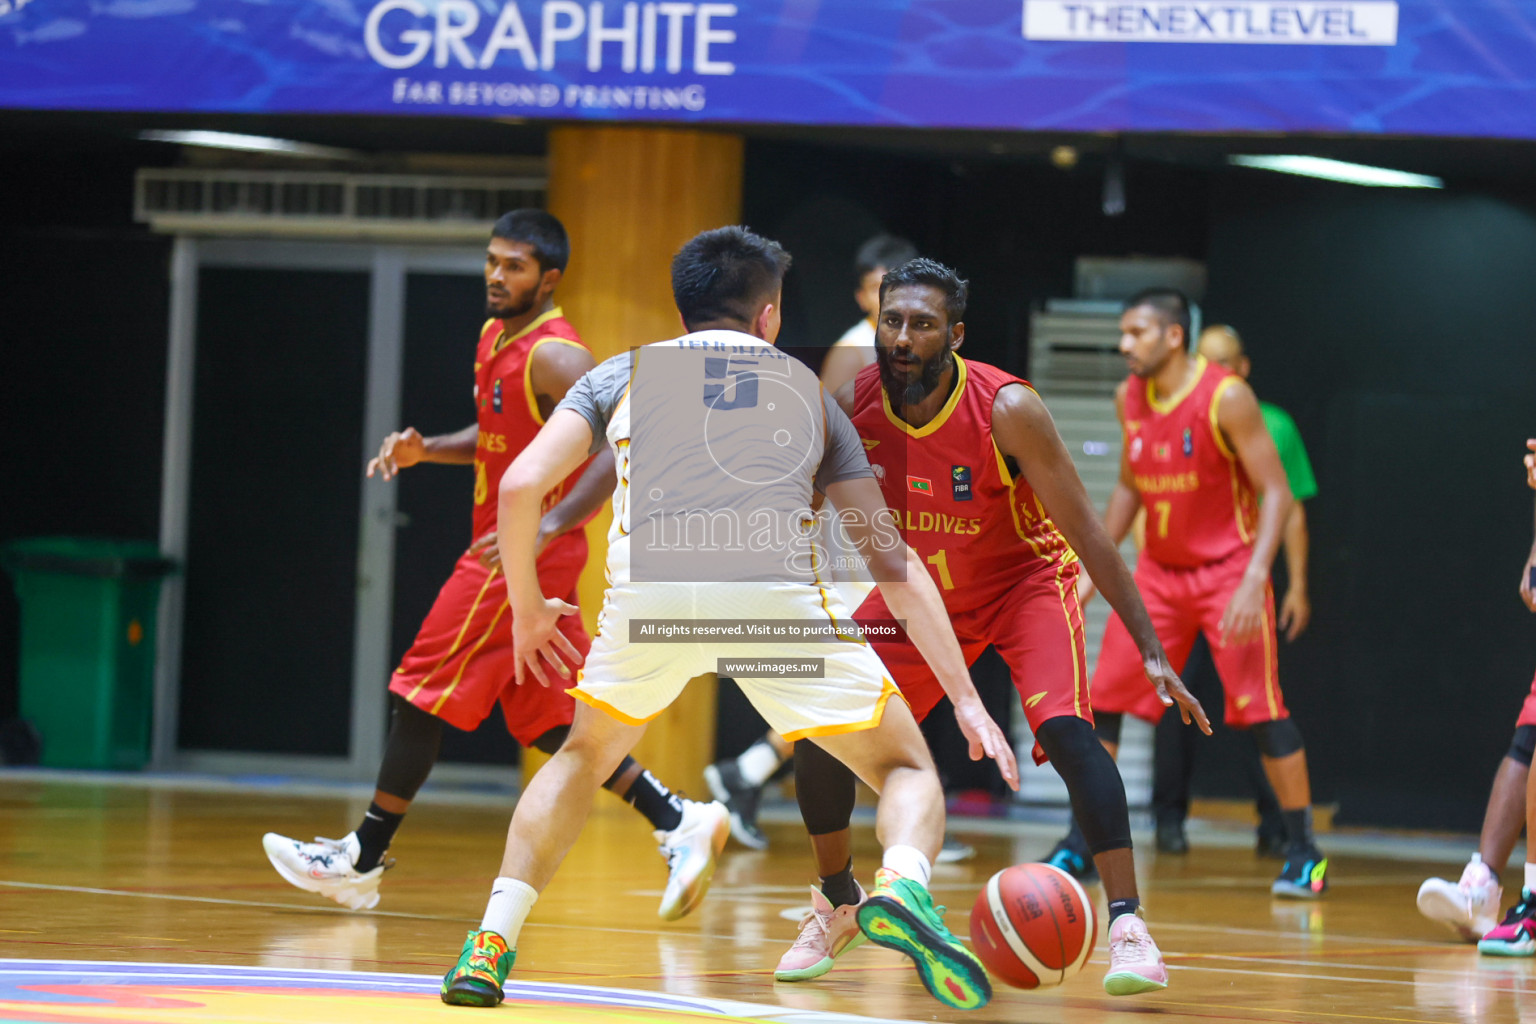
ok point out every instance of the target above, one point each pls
(1362, 23)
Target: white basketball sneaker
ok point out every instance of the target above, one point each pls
(691, 849)
(327, 867)
(1470, 907)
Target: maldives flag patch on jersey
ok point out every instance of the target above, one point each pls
(919, 484)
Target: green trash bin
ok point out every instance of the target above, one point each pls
(88, 610)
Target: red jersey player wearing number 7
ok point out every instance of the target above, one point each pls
(1198, 458)
(985, 492)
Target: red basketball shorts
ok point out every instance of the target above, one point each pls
(1528, 709)
(1184, 603)
(1037, 627)
(461, 663)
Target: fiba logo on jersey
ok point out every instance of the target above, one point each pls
(878, 470)
(1135, 448)
(1189, 442)
(496, 396)
(960, 477)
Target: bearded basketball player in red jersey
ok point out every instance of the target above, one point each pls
(1199, 460)
(462, 663)
(970, 461)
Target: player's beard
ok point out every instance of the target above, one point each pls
(903, 391)
(514, 305)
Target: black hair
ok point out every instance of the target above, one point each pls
(1170, 304)
(886, 251)
(922, 270)
(726, 274)
(541, 231)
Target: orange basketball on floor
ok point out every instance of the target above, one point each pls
(1033, 926)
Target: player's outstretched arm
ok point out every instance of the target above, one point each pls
(1242, 426)
(550, 457)
(1023, 429)
(1296, 609)
(405, 448)
(911, 595)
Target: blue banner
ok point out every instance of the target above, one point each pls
(1410, 67)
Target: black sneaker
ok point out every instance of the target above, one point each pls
(1074, 862)
(724, 780)
(1305, 875)
(1171, 837)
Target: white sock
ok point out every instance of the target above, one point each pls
(758, 762)
(508, 909)
(1530, 877)
(908, 862)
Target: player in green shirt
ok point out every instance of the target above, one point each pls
(1174, 758)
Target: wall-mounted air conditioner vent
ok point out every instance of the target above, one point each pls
(314, 205)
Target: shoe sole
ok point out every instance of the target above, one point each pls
(1507, 948)
(965, 853)
(345, 892)
(1292, 891)
(700, 888)
(1442, 909)
(1129, 983)
(951, 975)
(465, 992)
(821, 966)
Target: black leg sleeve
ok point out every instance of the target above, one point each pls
(1093, 782)
(825, 789)
(411, 750)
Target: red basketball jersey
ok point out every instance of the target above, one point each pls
(508, 414)
(979, 528)
(1200, 504)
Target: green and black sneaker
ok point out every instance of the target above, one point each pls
(900, 915)
(483, 966)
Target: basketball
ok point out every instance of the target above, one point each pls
(1032, 926)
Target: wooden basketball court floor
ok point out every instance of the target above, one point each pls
(129, 904)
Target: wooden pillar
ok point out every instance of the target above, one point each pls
(630, 197)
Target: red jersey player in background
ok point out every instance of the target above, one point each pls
(1470, 907)
(970, 461)
(462, 663)
(1199, 459)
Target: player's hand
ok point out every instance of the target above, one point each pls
(399, 450)
(1530, 464)
(1171, 689)
(1244, 618)
(1526, 594)
(986, 739)
(1085, 588)
(1295, 613)
(536, 639)
(489, 552)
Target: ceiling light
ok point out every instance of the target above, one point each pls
(1338, 170)
(249, 144)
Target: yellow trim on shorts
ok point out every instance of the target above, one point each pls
(608, 709)
(457, 640)
(470, 657)
(837, 730)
